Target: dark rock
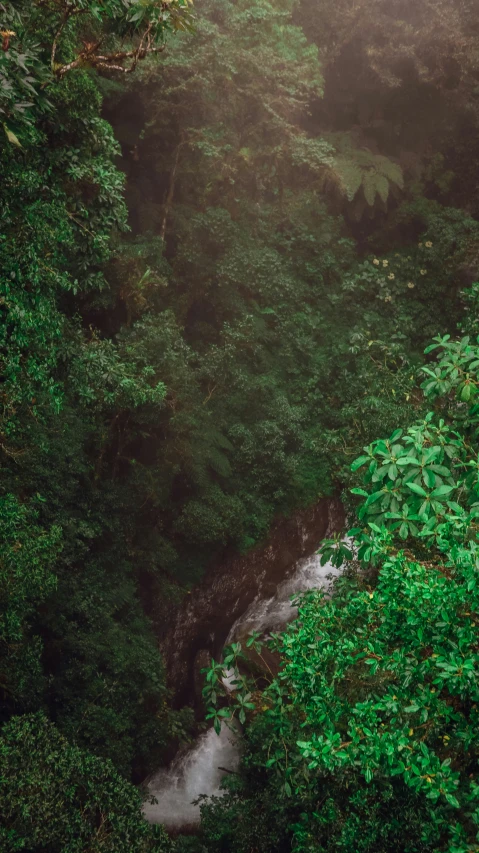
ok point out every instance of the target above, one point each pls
(205, 617)
(202, 660)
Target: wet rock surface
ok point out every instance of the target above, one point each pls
(205, 618)
(201, 662)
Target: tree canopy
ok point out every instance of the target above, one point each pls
(227, 239)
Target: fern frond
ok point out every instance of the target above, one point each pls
(370, 186)
(350, 175)
(390, 170)
(382, 187)
(357, 169)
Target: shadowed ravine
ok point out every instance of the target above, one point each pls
(200, 770)
(206, 617)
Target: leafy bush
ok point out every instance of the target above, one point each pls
(70, 801)
(368, 736)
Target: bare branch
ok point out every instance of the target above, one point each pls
(57, 37)
(171, 192)
(110, 61)
(67, 14)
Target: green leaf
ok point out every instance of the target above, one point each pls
(418, 490)
(440, 469)
(11, 136)
(375, 497)
(407, 460)
(361, 460)
(442, 491)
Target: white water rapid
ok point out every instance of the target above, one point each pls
(274, 613)
(202, 768)
(199, 771)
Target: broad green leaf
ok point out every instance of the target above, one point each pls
(407, 460)
(361, 460)
(375, 497)
(442, 491)
(418, 490)
(11, 136)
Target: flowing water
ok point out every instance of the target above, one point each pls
(202, 768)
(198, 772)
(274, 613)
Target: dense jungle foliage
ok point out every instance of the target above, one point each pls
(227, 238)
(368, 738)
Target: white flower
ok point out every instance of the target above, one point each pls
(376, 262)
(411, 284)
(385, 263)
(391, 276)
(423, 272)
(428, 245)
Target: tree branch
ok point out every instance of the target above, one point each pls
(169, 198)
(110, 61)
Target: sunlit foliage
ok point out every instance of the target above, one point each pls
(218, 275)
(368, 737)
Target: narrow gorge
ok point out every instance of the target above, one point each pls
(239, 301)
(246, 594)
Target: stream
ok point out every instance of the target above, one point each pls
(200, 770)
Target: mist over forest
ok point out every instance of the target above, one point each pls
(239, 355)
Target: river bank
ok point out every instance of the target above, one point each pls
(252, 593)
(205, 618)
